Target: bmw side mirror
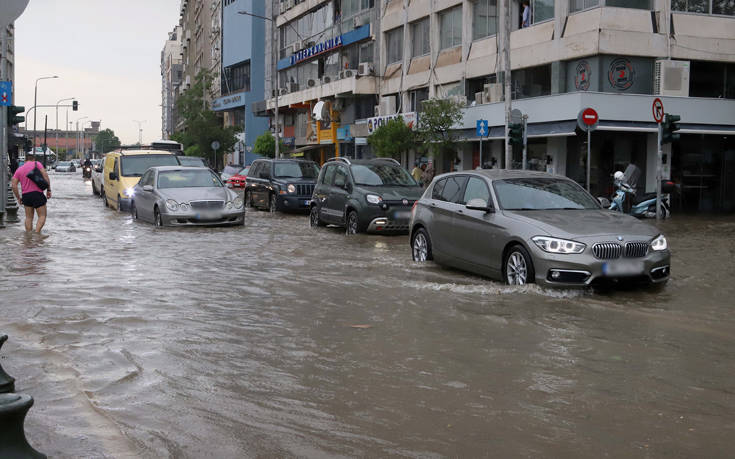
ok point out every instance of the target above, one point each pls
(479, 204)
(147, 188)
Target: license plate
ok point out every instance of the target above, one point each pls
(207, 215)
(307, 202)
(622, 268)
(401, 214)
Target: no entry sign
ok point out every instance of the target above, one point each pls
(658, 110)
(587, 119)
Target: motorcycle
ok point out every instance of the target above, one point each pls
(87, 172)
(627, 200)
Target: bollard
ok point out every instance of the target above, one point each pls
(13, 443)
(11, 208)
(7, 382)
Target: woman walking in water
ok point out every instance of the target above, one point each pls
(32, 198)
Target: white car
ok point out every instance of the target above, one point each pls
(97, 178)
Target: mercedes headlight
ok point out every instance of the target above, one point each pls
(373, 199)
(555, 245)
(172, 205)
(659, 243)
(237, 203)
(291, 189)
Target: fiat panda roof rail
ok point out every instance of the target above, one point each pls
(340, 158)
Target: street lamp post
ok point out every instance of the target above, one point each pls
(57, 123)
(35, 111)
(77, 133)
(274, 74)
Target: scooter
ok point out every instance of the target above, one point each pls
(87, 172)
(627, 200)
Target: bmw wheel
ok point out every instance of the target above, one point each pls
(421, 246)
(352, 223)
(518, 267)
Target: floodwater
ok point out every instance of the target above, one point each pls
(276, 340)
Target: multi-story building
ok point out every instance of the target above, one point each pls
(243, 72)
(327, 53)
(171, 76)
(199, 21)
(615, 56)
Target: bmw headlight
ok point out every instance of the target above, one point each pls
(555, 245)
(373, 199)
(172, 205)
(237, 203)
(291, 189)
(184, 207)
(659, 243)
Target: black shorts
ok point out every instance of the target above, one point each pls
(34, 199)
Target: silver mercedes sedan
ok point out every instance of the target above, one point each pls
(185, 196)
(523, 227)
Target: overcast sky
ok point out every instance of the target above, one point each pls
(107, 54)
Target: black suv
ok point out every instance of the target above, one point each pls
(373, 195)
(280, 184)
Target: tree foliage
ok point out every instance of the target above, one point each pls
(436, 120)
(202, 126)
(265, 145)
(106, 140)
(392, 138)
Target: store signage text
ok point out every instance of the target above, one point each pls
(318, 48)
(377, 121)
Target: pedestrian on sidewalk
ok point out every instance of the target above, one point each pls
(32, 198)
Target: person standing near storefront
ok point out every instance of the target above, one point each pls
(32, 198)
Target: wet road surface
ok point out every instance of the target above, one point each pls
(276, 340)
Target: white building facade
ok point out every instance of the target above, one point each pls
(171, 76)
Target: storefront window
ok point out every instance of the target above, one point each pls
(420, 38)
(484, 19)
(394, 45)
(450, 23)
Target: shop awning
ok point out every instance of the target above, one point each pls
(298, 152)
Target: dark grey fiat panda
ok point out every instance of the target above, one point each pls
(364, 195)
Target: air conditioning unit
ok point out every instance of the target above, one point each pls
(671, 78)
(387, 106)
(364, 69)
(282, 91)
(292, 87)
(326, 79)
(493, 92)
(188, 35)
(311, 82)
(348, 73)
(376, 110)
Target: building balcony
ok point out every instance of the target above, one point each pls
(343, 86)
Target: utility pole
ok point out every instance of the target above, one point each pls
(3, 130)
(506, 17)
(140, 130)
(274, 77)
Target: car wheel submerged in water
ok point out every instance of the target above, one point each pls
(157, 217)
(352, 226)
(133, 211)
(272, 206)
(518, 266)
(421, 246)
(314, 219)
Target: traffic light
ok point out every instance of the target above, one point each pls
(515, 133)
(669, 128)
(74, 105)
(13, 117)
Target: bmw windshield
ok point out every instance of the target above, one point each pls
(136, 165)
(542, 194)
(381, 175)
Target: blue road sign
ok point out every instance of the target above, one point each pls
(482, 129)
(6, 93)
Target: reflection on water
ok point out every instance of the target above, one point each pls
(279, 340)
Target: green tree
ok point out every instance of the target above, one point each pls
(106, 140)
(202, 126)
(265, 145)
(436, 120)
(392, 138)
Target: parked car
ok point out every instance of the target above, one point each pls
(374, 195)
(193, 161)
(238, 180)
(65, 166)
(97, 176)
(524, 227)
(77, 163)
(185, 196)
(123, 169)
(280, 184)
(229, 171)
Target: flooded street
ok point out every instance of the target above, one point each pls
(277, 340)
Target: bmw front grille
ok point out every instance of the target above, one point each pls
(607, 250)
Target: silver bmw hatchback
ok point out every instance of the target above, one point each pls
(523, 227)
